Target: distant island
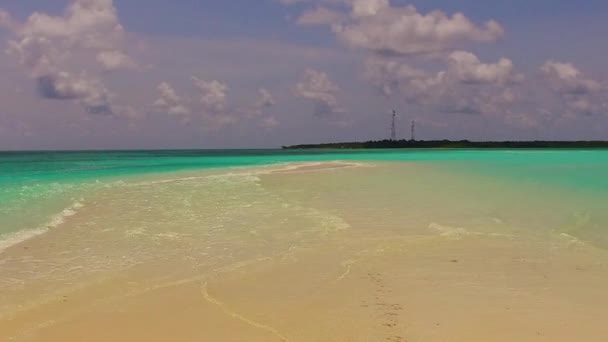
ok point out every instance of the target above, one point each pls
(378, 144)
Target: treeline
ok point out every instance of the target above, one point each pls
(453, 144)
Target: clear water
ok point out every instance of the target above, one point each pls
(37, 186)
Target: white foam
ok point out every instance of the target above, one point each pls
(302, 166)
(458, 233)
(250, 173)
(139, 231)
(11, 239)
(455, 233)
(173, 236)
(571, 240)
(224, 176)
(15, 238)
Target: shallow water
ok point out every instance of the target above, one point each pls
(384, 245)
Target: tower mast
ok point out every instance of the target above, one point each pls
(394, 127)
(413, 138)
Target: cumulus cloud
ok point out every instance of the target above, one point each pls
(265, 99)
(316, 86)
(91, 23)
(400, 40)
(378, 27)
(6, 21)
(466, 85)
(397, 31)
(63, 86)
(115, 60)
(213, 101)
(366, 8)
(209, 105)
(56, 50)
(567, 79)
(580, 94)
(170, 102)
(321, 16)
(389, 75)
(467, 68)
(212, 94)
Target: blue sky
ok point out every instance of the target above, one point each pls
(230, 74)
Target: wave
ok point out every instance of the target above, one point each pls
(459, 233)
(11, 239)
(251, 173)
(571, 240)
(450, 232)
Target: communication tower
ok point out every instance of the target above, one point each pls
(413, 138)
(394, 127)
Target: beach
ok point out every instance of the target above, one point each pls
(472, 246)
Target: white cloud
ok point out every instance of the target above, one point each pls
(366, 8)
(467, 68)
(404, 31)
(56, 52)
(213, 100)
(212, 94)
(6, 21)
(170, 102)
(263, 103)
(316, 86)
(567, 79)
(580, 94)
(212, 109)
(91, 23)
(378, 27)
(389, 75)
(465, 86)
(64, 86)
(115, 60)
(396, 36)
(321, 16)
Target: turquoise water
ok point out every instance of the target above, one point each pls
(34, 186)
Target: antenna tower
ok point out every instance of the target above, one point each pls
(394, 127)
(414, 130)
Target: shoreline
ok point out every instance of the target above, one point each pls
(17, 238)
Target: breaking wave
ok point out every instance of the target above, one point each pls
(11, 239)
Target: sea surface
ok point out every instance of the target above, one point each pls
(37, 188)
(303, 245)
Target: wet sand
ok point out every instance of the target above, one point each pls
(323, 252)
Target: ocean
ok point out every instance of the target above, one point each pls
(303, 245)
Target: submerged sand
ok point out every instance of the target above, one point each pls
(311, 252)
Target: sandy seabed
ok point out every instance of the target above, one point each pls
(310, 252)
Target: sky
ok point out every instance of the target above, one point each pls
(132, 74)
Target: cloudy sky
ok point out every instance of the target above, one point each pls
(103, 74)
